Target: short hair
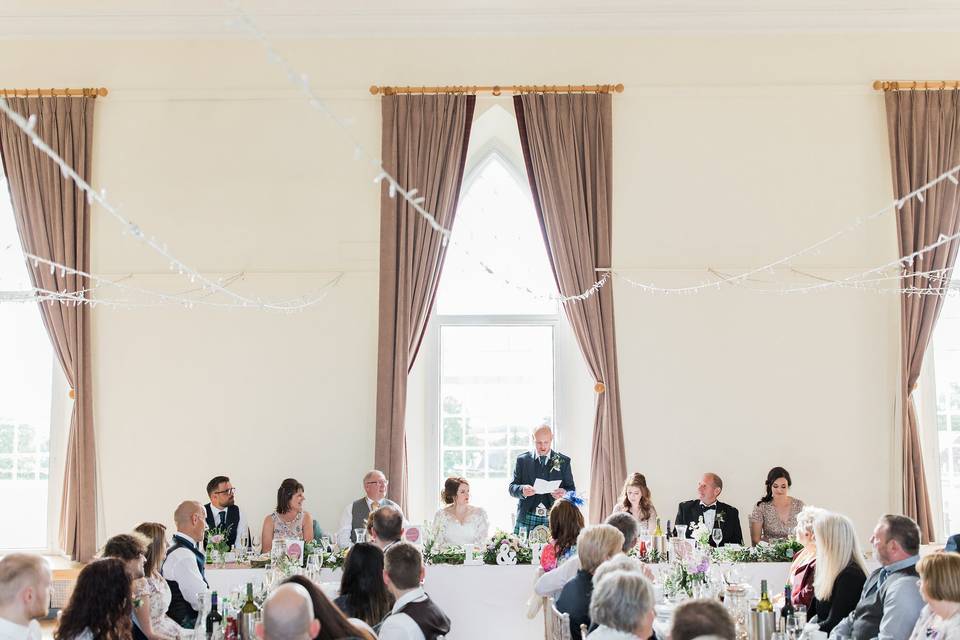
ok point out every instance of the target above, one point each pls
(290, 623)
(185, 511)
(597, 543)
(940, 573)
(126, 546)
(904, 530)
(387, 523)
(627, 525)
(216, 482)
(620, 600)
(451, 487)
(541, 429)
(288, 488)
(19, 570)
(373, 472)
(695, 618)
(805, 520)
(619, 562)
(403, 562)
(717, 480)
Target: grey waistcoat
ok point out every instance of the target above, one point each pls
(360, 512)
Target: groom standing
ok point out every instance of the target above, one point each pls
(542, 463)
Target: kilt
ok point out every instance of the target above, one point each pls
(530, 520)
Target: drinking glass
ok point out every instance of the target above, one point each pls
(523, 535)
(325, 543)
(792, 628)
(681, 531)
(240, 552)
(717, 535)
(800, 613)
(255, 543)
(360, 535)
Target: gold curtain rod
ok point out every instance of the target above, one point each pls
(908, 85)
(498, 89)
(55, 93)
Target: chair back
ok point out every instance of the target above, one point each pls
(584, 631)
(558, 624)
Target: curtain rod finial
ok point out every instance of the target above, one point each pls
(374, 89)
(619, 88)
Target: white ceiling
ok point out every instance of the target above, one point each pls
(358, 18)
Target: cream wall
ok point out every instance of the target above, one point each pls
(729, 151)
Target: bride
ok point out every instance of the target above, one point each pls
(459, 523)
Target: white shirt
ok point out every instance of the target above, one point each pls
(346, 523)
(400, 626)
(243, 531)
(551, 583)
(13, 631)
(710, 517)
(181, 567)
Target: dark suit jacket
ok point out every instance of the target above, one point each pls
(574, 599)
(953, 542)
(843, 598)
(528, 469)
(728, 519)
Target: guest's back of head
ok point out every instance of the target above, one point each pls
(100, 602)
(698, 618)
(403, 565)
(837, 547)
(566, 523)
(386, 523)
(333, 624)
(623, 600)
(25, 584)
(596, 544)
(628, 526)
(365, 595)
(619, 562)
(288, 615)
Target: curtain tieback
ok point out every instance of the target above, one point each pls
(72, 394)
(599, 387)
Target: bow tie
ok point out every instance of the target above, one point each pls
(712, 507)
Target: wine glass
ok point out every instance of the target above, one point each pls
(325, 543)
(681, 531)
(523, 535)
(717, 535)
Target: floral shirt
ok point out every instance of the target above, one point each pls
(771, 526)
(548, 558)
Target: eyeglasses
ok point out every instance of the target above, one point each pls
(231, 491)
(382, 483)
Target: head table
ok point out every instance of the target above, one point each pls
(482, 601)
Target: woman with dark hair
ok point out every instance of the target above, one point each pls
(363, 594)
(289, 521)
(775, 516)
(152, 590)
(459, 522)
(566, 521)
(333, 624)
(100, 605)
(635, 500)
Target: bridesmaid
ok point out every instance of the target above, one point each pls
(775, 516)
(635, 500)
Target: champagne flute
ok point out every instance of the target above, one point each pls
(717, 535)
(523, 535)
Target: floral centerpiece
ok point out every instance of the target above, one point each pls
(335, 558)
(524, 553)
(217, 542)
(776, 551)
(435, 554)
(701, 533)
(685, 574)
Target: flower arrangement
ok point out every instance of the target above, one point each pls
(777, 551)
(335, 559)
(452, 554)
(524, 553)
(701, 533)
(685, 574)
(217, 541)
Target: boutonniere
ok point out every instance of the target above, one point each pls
(720, 516)
(556, 462)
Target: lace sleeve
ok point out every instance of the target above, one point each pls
(481, 528)
(439, 530)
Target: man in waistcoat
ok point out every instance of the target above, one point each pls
(414, 615)
(890, 602)
(355, 514)
(183, 568)
(543, 463)
(222, 512)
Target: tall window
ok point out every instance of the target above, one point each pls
(496, 344)
(26, 369)
(946, 352)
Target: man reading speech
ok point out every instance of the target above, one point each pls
(547, 466)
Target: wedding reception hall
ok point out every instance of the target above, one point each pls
(541, 319)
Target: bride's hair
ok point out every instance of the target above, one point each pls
(450, 488)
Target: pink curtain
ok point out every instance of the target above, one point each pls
(568, 148)
(424, 145)
(924, 133)
(53, 220)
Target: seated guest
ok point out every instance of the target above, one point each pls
(621, 606)
(333, 624)
(289, 521)
(131, 549)
(459, 522)
(940, 589)
(184, 567)
(803, 568)
(100, 605)
(635, 500)
(840, 572)
(355, 514)
(152, 590)
(566, 522)
(890, 603)
(224, 514)
(414, 615)
(543, 463)
(775, 515)
(953, 543)
(385, 527)
(715, 514)
(25, 592)
(363, 594)
(595, 545)
(288, 615)
(698, 618)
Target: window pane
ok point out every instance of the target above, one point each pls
(26, 370)
(501, 377)
(497, 224)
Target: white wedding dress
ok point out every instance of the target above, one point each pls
(450, 531)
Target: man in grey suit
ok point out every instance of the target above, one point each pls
(890, 602)
(355, 514)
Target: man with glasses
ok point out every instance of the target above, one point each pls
(355, 514)
(223, 514)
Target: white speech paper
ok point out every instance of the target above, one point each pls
(545, 486)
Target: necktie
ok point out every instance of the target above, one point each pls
(543, 460)
(223, 515)
(374, 505)
(882, 577)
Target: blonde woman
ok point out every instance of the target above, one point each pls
(940, 588)
(803, 569)
(840, 573)
(152, 590)
(635, 500)
(595, 545)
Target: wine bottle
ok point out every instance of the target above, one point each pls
(764, 605)
(248, 616)
(658, 531)
(213, 618)
(787, 609)
(669, 530)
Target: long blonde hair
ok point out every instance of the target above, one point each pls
(837, 547)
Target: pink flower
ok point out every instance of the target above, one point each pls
(216, 539)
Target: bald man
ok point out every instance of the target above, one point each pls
(183, 568)
(288, 615)
(541, 463)
(714, 513)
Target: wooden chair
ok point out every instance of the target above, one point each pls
(557, 624)
(583, 631)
